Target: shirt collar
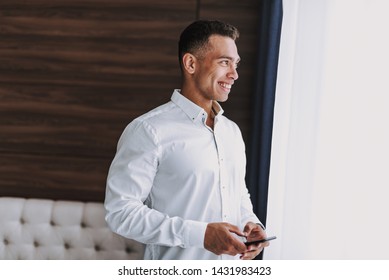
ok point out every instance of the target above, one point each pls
(192, 110)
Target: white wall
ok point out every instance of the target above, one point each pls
(329, 178)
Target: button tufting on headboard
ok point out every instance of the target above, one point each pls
(47, 229)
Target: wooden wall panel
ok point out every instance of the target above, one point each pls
(41, 176)
(73, 74)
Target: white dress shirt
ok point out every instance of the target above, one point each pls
(172, 175)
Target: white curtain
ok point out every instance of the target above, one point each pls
(329, 175)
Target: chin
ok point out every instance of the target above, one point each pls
(222, 98)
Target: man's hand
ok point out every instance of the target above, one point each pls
(220, 240)
(253, 232)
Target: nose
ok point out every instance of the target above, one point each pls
(233, 74)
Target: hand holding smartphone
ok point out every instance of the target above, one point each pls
(260, 240)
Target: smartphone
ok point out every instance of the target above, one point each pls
(260, 240)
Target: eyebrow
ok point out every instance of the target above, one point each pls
(229, 58)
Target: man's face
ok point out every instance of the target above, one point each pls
(216, 70)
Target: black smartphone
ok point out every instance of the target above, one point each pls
(260, 240)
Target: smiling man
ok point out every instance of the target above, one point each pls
(177, 182)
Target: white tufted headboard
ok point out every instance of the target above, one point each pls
(47, 229)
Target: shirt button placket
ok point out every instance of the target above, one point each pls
(222, 179)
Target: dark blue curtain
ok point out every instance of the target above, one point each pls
(263, 105)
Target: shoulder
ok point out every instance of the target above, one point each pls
(147, 125)
(229, 124)
(156, 113)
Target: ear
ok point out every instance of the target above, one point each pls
(189, 63)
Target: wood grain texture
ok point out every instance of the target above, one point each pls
(40, 176)
(73, 74)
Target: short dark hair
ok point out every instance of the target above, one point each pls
(195, 37)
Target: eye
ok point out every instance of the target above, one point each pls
(224, 62)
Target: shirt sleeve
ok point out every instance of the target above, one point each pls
(246, 209)
(129, 182)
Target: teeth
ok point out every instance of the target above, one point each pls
(228, 86)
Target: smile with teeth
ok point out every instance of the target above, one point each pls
(226, 86)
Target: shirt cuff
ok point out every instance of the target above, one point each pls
(261, 225)
(195, 234)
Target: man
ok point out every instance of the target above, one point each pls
(177, 180)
